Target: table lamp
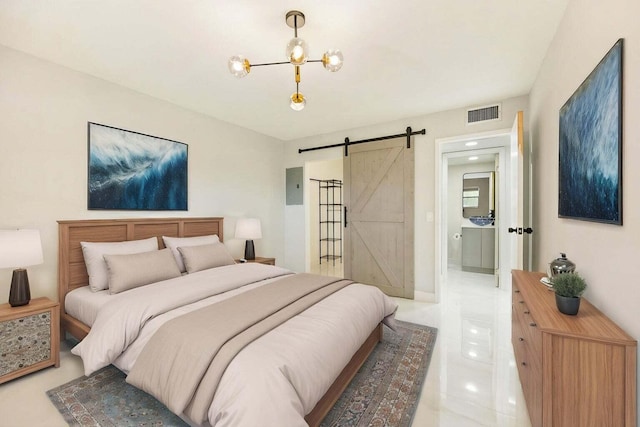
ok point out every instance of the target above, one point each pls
(249, 229)
(19, 249)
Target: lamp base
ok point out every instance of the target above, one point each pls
(20, 294)
(249, 252)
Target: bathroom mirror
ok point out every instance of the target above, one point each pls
(478, 194)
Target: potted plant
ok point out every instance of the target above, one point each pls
(568, 288)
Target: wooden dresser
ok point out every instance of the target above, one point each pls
(575, 370)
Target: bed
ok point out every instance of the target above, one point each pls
(73, 279)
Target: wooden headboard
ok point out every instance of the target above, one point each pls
(72, 272)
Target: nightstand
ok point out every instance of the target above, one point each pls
(261, 260)
(29, 338)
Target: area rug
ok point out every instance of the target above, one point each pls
(384, 392)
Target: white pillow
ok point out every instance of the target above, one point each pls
(198, 258)
(94, 257)
(174, 243)
(133, 270)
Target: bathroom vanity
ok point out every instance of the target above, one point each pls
(478, 249)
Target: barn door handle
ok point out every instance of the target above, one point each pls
(345, 217)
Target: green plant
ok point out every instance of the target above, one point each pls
(570, 285)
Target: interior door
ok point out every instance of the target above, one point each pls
(379, 200)
(517, 192)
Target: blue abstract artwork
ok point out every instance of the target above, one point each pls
(590, 181)
(133, 171)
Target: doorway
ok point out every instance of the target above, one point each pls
(471, 213)
(321, 253)
(496, 144)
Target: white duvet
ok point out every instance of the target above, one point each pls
(275, 380)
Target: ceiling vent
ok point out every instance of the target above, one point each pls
(486, 113)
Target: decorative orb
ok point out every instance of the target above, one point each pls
(332, 60)
(297, 101)
(239, 66)
(297, 51)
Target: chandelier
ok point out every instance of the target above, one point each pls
(297, 53)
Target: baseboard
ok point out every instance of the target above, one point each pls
(424, 296)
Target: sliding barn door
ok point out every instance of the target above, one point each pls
(379, 201)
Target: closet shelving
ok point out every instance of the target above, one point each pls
(330, 219)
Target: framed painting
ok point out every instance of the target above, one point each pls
(590, 160)
(133, 171)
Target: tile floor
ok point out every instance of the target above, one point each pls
(472, 378)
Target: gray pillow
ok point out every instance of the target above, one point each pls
(130, 271)
(174, 243)
(94, 253)
(201, 257)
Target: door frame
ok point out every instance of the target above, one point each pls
(491, 142)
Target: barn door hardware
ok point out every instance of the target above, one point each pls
(408, 134)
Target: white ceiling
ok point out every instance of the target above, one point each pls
(402, 58)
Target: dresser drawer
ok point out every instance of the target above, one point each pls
(529, 363)
(528, 327)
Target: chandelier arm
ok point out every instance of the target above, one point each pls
(283, 62)
(270, 63)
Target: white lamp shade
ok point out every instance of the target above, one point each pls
(248, 228)
(20, 248)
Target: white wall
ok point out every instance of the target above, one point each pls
(606, 255)
(455, 220)
(438, 125)
(44, 110)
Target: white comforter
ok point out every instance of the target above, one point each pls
(275, 380)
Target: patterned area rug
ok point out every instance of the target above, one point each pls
(383, 393)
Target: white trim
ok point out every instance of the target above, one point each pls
(424, 296)
(455, 147)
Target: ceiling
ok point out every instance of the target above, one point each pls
(402, 59)
(472, 158)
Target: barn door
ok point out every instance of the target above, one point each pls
(379, 202)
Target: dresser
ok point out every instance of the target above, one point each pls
(29, 338)
(574, 370)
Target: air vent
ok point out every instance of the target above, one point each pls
(483, 114)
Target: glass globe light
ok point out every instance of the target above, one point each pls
(239, 66)
(297, 51)
(332, 60)
(297, 101)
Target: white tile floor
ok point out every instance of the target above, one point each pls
(472, 379)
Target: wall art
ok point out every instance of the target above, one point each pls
(590, 161)
(133, 171)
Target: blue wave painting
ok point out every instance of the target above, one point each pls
(129, 170)
(590, 145)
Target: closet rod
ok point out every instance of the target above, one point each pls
(347, 143)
